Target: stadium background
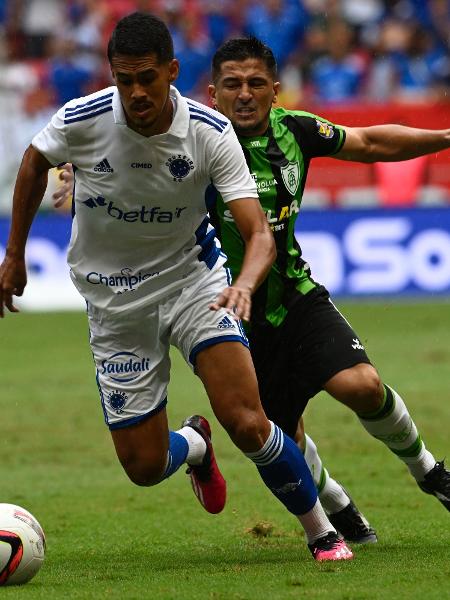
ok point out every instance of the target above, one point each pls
(367, 229)
(108, 539)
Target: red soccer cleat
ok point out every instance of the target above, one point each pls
(207, 481)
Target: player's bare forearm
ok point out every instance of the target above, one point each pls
(29, 190)
(390, 143)
(259, 255)
(28, 193)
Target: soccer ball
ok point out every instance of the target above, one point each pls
(22, 545)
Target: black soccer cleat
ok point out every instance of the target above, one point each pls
(437, 483)
(353, 526)
(330, 547)
(207, 481)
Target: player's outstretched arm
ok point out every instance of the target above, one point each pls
(390, 143)
(259, 256)
(30, 188)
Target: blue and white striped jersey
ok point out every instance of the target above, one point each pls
(141, 229)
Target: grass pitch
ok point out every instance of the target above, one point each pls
(109, 539)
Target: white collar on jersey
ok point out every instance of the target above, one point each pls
(180, 122)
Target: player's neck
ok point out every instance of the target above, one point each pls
(258, 131)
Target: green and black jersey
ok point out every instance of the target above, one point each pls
(279, 162)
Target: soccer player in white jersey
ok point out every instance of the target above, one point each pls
(145, 258)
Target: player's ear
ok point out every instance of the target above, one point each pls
(212, 95)
(174, 69)
(276, 89)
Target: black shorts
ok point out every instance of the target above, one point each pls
(295, 360)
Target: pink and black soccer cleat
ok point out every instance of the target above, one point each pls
(207, 481)
(330, 547)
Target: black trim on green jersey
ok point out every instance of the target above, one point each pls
(277, 160)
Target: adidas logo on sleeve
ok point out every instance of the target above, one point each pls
(103, 167)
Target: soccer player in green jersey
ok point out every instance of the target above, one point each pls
(300, 342)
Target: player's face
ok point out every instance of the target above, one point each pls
(143, 85)
(244, 92)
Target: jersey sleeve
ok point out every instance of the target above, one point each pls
(229, 170)
(52, 141)
(317, 136)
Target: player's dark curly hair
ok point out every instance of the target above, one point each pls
(139, 34)
(241, 49)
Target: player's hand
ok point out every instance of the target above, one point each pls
(236, 300)
(63, 193)
(13, 279)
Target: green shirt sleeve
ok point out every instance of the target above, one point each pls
(316, 136)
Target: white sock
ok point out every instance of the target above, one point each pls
(197, 445)
(398, 432)
(331, 494)
(315, 523)
(421, 464)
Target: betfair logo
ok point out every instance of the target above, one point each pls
(144, 214)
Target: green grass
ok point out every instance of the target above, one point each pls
(109, 539)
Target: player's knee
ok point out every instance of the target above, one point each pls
(359, 387)
(247, 428)
(145, 472)
(370, 386)
(366, 388)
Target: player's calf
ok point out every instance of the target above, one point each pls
(142, 449)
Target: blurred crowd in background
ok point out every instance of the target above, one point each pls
(329, 52)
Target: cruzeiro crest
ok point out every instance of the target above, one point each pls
(291, 177)
(179, 166)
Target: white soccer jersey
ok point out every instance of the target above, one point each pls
(141, 229)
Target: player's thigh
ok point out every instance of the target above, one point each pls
(131, 355)
(284, 392)
(326, 343)
(294, 361)
(227, 373)
(215, 346)
(335, 345)
(194, 326)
